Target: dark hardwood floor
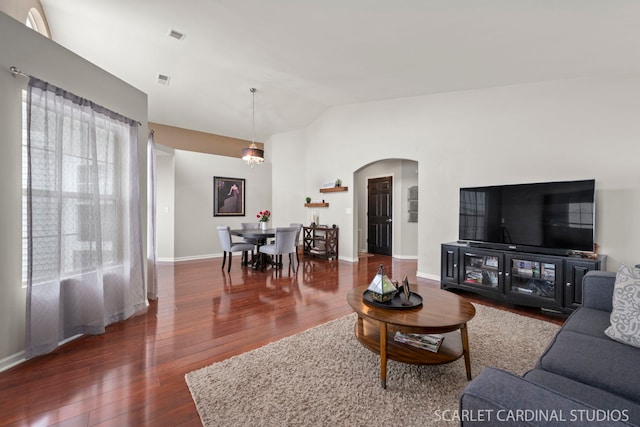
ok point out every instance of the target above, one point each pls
(133, 375)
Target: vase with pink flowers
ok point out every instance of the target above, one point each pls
(263, 219)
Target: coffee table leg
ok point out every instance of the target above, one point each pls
(383, 354)
(465, 349)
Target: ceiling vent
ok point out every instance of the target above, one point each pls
(163, 80)
(176, 34)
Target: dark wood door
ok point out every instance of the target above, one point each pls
(379, 215)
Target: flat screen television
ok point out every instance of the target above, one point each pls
(549, 217)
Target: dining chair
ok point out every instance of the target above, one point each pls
(224, 232)
(299, 226)
(251, 226)
(284, 244)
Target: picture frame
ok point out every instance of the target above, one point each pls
(228, 196)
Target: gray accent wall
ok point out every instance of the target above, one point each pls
(39, 56)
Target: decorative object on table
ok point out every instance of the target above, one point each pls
(263, 219)
(406, 291)
(403, 299)
(398, 302)
(253, 155)
(228, 196)
(381, 289)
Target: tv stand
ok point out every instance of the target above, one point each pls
(516, 276)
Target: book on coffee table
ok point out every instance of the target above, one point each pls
(429, 342)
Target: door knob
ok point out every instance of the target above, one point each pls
(389, 220)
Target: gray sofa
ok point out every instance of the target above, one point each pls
(582, 378)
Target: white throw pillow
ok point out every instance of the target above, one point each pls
(625, 316)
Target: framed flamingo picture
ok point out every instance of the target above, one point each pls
(228, 196)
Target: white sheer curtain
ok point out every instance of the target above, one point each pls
(84, 246)
(152, 278)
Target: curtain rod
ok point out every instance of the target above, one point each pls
(15, 71)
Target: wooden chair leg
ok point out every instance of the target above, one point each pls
(224, 259)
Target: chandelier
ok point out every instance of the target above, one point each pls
(253, 155)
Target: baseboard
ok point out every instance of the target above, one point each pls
(16, 359)
(347, 259)
(11, 361)
(190, 258)
(428, 276)
(409, 257)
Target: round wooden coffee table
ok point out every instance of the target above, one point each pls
(441, 312)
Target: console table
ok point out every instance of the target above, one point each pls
(320, 241)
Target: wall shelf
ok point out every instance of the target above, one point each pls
(333, 189)
(316, 205)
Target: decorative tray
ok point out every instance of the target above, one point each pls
(397, 303)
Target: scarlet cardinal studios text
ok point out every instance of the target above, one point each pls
(533, 415)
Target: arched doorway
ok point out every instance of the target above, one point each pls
(404, 226)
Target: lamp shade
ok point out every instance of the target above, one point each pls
(253, 155)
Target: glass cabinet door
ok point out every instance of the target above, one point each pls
(482, 269)
(540, 277)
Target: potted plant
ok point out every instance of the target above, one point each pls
(308, 199)
(338, 182)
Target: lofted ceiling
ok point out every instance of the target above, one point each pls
(305, 56)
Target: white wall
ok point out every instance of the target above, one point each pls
(39, 56)
(195, 226)
(165, 201)
(289, 183)
(561, 130)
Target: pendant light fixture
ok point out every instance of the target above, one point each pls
(253, 155)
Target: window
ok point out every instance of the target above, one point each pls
(84, 242)
(76, 192)
(36, 22)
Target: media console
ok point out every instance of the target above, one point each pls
(521, 278)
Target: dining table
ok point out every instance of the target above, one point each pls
(260, 237)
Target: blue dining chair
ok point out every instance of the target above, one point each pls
(224, 232)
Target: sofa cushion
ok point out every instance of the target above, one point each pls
(588, 321)
(614, 405)
(625, 316)
(497, 398)
(600, 362)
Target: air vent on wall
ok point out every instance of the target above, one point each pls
(163, 80)
(176, 34)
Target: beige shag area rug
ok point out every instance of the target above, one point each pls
(325, 377)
